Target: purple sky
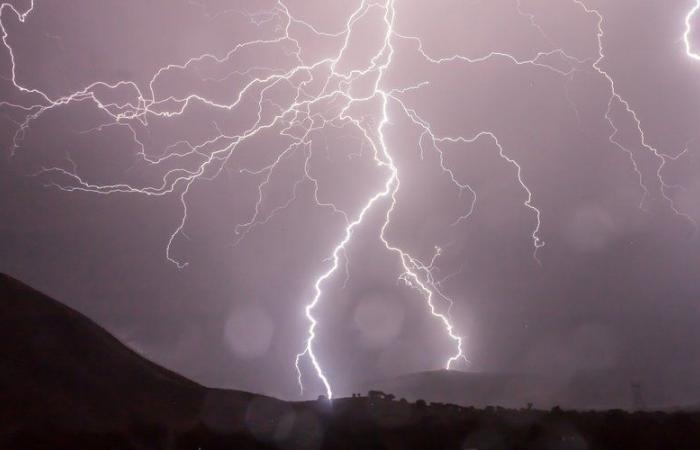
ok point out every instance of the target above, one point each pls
(95, 182)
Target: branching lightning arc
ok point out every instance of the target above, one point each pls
(324, 96)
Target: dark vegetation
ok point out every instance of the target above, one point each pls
(65, 383)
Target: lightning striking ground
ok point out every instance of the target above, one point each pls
(323, 97)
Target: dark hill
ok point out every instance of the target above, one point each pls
(59, 370)
(56, 360)
(67, 384)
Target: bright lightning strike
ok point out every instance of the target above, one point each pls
(616, 98)
(323, 97)
(689, 29)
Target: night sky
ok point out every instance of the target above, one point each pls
(96, 179)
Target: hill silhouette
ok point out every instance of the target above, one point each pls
(56, 359)
(582, 390)
(61, 371)
(67, 384)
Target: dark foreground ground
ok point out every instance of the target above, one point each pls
(365, 424)
(67, 384)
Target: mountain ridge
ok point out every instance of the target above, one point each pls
(62, 370)
(68, 384)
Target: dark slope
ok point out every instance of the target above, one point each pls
(60, 368)
(67, 384)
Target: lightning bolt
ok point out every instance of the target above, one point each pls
(689, 29)
(615, 98)
(324, 96)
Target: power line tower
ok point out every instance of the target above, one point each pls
(637, 398)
